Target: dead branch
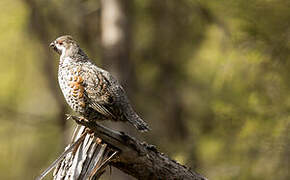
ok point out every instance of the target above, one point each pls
(139, 159)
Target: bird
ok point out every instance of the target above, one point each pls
(90, 90)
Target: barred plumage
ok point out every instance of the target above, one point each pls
(90, 90)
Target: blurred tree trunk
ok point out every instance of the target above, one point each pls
(116, 41)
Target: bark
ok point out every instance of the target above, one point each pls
(139, 159)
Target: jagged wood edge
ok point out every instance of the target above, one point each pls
(59, 159)
(139, 159)
(93, 154)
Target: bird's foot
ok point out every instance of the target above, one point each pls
(82, 119)
(78, 119)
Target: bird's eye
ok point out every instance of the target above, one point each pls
(60, 43)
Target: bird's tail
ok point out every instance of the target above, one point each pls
(135, 120)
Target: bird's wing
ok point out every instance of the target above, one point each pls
(97, 94)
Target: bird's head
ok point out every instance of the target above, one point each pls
(64, 45)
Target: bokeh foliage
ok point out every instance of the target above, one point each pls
(210, 77)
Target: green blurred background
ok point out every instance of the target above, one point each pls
(210, 77)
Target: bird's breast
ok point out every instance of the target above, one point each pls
(72, 86)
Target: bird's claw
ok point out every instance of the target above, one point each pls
(82, 119)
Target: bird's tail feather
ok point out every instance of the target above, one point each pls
(136, 121)
(140, 124)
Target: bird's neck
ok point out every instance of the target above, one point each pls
(63, 54)
(69, 57)
(74, 54)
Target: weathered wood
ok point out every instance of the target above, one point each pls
(139, 159)
(85, 160)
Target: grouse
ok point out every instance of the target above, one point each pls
(89, 90)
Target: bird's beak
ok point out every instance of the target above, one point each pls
(53, 46)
